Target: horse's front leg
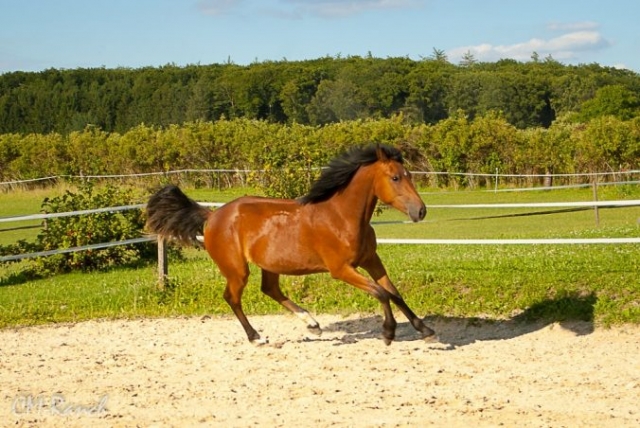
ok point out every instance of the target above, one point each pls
(351, 276)
(373, 265)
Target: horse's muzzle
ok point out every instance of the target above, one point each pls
(417, 212)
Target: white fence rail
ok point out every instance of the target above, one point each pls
(17, 257)
(551, 241)
(587, 204)
(70, 213)
(591, 176)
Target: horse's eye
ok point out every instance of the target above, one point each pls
(395, 178)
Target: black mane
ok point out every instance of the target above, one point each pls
(342, 169)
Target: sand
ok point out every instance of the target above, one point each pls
(203, 372)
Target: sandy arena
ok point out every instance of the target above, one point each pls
(203, 372)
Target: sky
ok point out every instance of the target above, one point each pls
(66, 34)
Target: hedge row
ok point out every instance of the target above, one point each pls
(483, 145)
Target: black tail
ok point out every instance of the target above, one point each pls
(170, 213)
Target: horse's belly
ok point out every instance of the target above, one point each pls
(285, 257)
(282, 247)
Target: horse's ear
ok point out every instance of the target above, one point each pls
(380, 153)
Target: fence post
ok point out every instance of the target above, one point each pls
(163, 265)
(595, 198)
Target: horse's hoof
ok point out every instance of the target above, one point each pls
(315, 329)
(387, 340)
(431, 338)
(260, 342)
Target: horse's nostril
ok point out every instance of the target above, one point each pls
(423, 212)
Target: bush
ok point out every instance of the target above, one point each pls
(75, 231)
(80, 230)
(287, 173)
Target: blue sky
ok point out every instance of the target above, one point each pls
(40, 34)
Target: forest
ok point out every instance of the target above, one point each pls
(532, 117)
(314, 92)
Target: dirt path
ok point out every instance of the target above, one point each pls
(203, 372)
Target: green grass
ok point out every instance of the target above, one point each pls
(21, 203)
(600, 283)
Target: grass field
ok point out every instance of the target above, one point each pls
(553, 282)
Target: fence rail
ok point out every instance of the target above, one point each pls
(590, 176)
(70, 213)
(85, 212)
(541, 241)
(587, 204)
(17, 257)
(550, 241)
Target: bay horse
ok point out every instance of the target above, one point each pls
(327, 230)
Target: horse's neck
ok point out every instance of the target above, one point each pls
(357, 202)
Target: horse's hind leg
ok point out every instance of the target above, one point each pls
(271, 287)
(236, 281)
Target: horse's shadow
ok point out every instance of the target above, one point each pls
(573, 313)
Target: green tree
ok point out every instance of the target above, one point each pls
(439, 55)
(468, 59)
(336, 101)
(611, 100)
(428, 84)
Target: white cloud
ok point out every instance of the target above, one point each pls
(621, 66)
(578, 41)
(573, 26)
(567, 46)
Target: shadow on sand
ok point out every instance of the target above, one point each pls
(573, 313)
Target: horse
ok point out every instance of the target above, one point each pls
(327, 230)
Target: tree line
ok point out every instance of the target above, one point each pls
(316, 92)
(457, 143)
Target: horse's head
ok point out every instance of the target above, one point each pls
(394, 187)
